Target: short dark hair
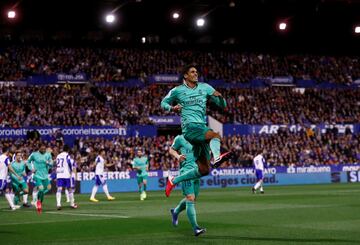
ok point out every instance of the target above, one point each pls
(187, 68)
(5, 149)
(66, 148)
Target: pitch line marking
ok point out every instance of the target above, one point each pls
(90, 215)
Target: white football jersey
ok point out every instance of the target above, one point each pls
(259, 162)
(4, 162)
(63, 166)
(100, 163)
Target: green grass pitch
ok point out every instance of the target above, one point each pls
(311, 214)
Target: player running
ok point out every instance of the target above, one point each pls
(190, 99)
(99, 177)
(141, 165)
(182, 150)
(41, 162)
(18, 180)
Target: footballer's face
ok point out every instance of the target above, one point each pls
(42, 149)
(18, 156)
(139, 153)
(191, 75)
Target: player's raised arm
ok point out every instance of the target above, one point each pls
(218, 99)
(168, 100)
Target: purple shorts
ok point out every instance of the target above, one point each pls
(259, 174)
(3, 184)
(63, 183)
(99, 180)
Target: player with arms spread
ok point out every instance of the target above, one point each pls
(190, 99)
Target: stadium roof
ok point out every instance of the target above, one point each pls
(227, 21)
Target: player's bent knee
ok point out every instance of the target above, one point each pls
(41, 188)
(204, 171)
(204, 168)
(190, 198)
(217, 136)
(211, 135)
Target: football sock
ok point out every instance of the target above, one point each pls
(34, 195)
(46, 191)
(67, 194)
(9, 199)
(105, 188)
(41, 195)
(71, 198)
(16, 200)
(257, 185)
(58, 198)
(215, 147)
(191, 213)
(25, 198)
(94, 190)
(181, 206)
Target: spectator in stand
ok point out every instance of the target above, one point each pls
(118, 64)
(119, 106)
(284, 149)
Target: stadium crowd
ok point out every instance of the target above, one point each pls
(78, 105)
(117, 64)
(289, 106)
(306, 147)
